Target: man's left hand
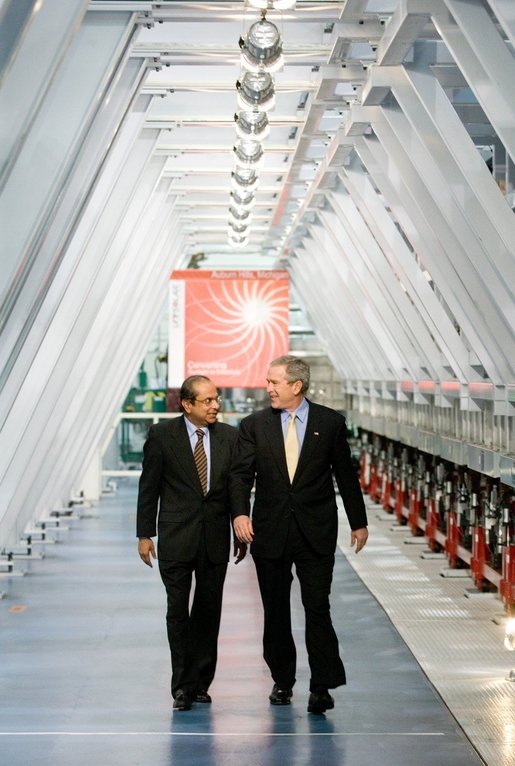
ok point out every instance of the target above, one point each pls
(359, 538)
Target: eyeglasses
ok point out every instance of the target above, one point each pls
(209, 400)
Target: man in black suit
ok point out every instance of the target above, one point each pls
(184, 487)
(291, 451)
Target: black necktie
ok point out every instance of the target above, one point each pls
(199, 455)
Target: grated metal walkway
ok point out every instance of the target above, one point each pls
(84, 667)
(455, 632)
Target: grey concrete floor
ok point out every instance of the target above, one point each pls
(84, 670)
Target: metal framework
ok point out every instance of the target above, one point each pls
(386, 190)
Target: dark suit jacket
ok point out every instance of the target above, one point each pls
(310, 497)
(169, 484)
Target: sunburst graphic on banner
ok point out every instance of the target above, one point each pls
(237, 326)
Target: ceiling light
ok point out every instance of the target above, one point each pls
(252, 124)
(245, 178)
(262, 47)
(240, 215)
(256, 89)
(238, 240)
(242, 198)
(237, 228)
(248, 153)
(273, 5)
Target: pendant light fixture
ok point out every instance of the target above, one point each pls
(262, 48)
(252, 124)
(272, 5)
(256, 90)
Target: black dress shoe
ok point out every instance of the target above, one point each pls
(280, 696)
(202, 696)
(320, 701)
(182, 700)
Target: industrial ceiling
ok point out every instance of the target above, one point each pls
(386, 189)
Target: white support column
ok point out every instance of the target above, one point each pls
(126, 159)
(471, 185)
(342, 349)
(505, 12)
(133, 305)
(388, 295)
(358, 332)
(301, 270)
(90, 484)
(371, 307)
(48, 30)
(108, 130)
(30, 196)
(465, 256)
(72, 339)
(404, 264)
(484, 59)
(430, 234)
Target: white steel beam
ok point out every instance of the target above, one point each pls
(480, 223)
(484, 58)
(505, 13)
(106, 130)
(405, 265)
(130, 309)
(359, 316)
(415, 209)
(324, 311)
(43, 43)
(395, 308)
(406, 23)
(30, 196)
(29, 424)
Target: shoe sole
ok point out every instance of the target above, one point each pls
(280, 702)
(320, 709)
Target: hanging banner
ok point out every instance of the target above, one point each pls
(227, 325)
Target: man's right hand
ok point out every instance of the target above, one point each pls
(146, 550)
(243, 529)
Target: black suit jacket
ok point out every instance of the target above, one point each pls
(170, 499)
(310, 497)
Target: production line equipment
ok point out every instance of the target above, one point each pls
(466, 516)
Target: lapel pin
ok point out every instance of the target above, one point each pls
(315, 433)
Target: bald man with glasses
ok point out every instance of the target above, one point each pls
(183, 496)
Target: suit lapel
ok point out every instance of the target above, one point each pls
(181, 448)
(274, 434)
(311, 440)
(217, 454)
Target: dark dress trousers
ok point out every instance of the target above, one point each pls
(296, 523)
(193, 538)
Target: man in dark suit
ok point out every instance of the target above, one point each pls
(291, 451)
(184, 488)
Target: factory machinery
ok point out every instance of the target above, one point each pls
(464, 515)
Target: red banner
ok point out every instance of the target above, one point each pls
(227, 325)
